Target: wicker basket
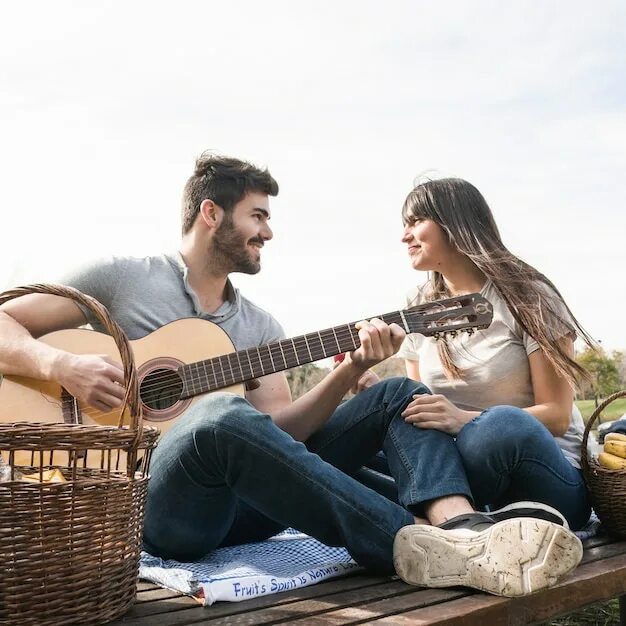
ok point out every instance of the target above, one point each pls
(69, 551)
(607, 487)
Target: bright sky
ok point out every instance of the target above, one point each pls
(105, 105)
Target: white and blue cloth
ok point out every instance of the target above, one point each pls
(287, 561)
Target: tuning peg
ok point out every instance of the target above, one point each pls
(437, 336)
(452, 333)
(469, 331)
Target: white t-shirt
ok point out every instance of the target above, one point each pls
(495, 365)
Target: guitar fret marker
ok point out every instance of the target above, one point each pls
(269, 351)
(250, 362)
(308, 349)
(260, 361)
(350, 332)
(336, 340)
(404, 322)
(280, 345)
(214, 374)
(322, 344)
(295, 352)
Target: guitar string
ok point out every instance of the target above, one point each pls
(411, 313)
(223, 377)
(266, 359)
(91, 412)
(348, 332)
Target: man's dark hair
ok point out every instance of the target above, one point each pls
(225, 181)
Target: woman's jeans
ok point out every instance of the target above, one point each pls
(510, 456)
(226, 474)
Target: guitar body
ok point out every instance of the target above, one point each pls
(183, 341)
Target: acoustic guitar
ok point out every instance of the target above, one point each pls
(190, 357)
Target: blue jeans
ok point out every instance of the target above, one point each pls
(226, 474)
(510, 456)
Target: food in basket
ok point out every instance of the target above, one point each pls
(618, 448)
(611, 461)
(47, 476)
(614, 437)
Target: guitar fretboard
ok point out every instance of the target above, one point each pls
(238, 367)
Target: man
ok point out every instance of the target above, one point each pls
(234, 470)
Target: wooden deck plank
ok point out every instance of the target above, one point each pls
(369, 611)
(592, 582)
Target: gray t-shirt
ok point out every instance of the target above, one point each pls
(143, 294)
(495, 364)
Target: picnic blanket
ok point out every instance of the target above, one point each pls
(284, 562)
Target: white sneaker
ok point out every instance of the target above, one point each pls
(511, 558)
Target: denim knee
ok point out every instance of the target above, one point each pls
(400, 388)
(496, 431)
(215, 412)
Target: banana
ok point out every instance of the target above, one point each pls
(618, 448)
(610, 461)
(614, 437)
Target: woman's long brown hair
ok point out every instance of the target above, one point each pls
(462, 212)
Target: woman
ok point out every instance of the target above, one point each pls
(506, 392)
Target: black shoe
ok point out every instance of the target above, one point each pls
(538, 510)
(469, 521)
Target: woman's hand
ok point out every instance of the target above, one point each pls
(436, 411)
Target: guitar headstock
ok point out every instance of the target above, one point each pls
(466, 313)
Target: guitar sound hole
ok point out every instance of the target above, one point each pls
(161, 389)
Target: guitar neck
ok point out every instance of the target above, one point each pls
(238, 367)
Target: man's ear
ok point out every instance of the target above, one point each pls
(211, 214)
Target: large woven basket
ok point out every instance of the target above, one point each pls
(69, 551)
(607, 487)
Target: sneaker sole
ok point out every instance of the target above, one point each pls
(511, 558)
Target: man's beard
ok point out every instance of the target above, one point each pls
(230, 249)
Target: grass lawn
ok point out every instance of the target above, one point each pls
(613, 411)
(600, 614)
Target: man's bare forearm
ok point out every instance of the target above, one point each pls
(22, 355)
(312, 410)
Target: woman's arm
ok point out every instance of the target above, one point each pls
(412, 369)
(553, 395)
(553, 399)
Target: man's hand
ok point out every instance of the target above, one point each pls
(436, 411)
(365, 381)
(92, 378)
(379, 341)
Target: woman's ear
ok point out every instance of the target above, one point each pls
(211, 214)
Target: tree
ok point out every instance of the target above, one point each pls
(605, 378)
(620, 362)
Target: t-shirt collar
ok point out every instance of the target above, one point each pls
(226, 310)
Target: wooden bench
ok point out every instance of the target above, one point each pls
(384, 601)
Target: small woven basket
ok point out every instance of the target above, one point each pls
(69, 551)
(606, 486)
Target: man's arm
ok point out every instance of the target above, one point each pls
(310, 412)
(94, 379)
